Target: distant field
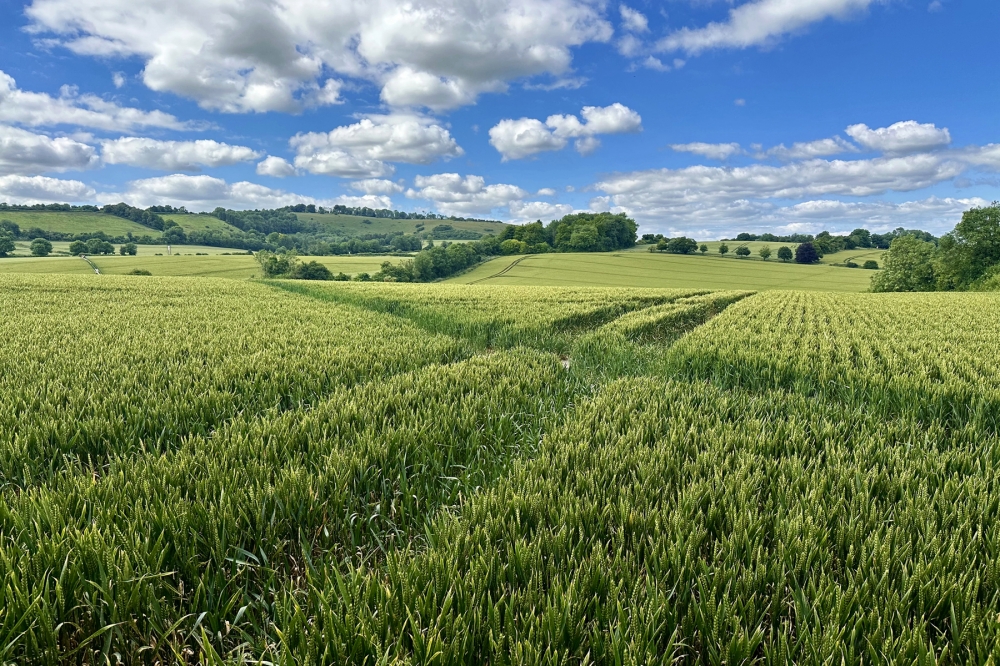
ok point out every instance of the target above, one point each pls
(187, 264)
(857, 255)
(352, 225)
(76, 222)
(663, 270)
(200, 223)
(62, 247)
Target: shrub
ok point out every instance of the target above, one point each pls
(871, 265)
(41, 247)
(851, 264)
(312, 270)
(742, 251)
(138, 271)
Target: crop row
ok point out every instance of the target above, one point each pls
(90, 370)
(138, 560)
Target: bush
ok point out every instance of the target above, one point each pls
(851, 264)
(138, 271)
(41, 247)
(362, 277)
(871, 265)
(703, 249)
(341, 277)
(806, 253)
(742, 251)
(312, 270)
(6, 243)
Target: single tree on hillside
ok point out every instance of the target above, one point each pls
(742, 251)
(41, 247)
(765, 253)
(806, 253)
(703, 249)
(78, 247)
(784, 253)
(723, 249)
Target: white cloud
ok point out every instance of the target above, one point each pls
(901, 138)
(205, 193)
(454, 195)
(760, 22)
(278, 167)
(364, 201)
(364, 148)
(633, 20)
(545, 192)
(713, 151)
(41, 189)
(516, 139)
(740, 102)
(264, 56)
(529, 211)
(24, 152)
(118, 78)
(174, 155)
(70, 108)
(377, 186)
(810, 149)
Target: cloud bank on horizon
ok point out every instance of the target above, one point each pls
(695, 118)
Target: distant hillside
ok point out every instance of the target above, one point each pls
(354, 225)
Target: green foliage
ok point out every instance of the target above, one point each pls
(870, 264)
(806, 253)
(41, 247)
(908, 266)
(138, 271)
(6, 243)
(592, 232)
(275, 265)
(680, 245)
(764, 252)
(968, 252)
(311, 270)
(723, 249)
(743, 251)
(144, 217)
(785, 253)
(97, 246)
(703, 248)
(128, 249)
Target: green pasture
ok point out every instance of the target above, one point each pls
(191, 223)
(647, 269)
(76, 222)
(352, 225)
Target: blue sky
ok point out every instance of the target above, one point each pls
(696, 117)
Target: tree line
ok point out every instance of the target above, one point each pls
(965, 259)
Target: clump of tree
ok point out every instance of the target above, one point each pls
(93, 246)
(7, 245)
(579, 232)
(287, 265)
(128, 249)
(967, 258)
(41, 247)
(742, 251)
(680, 245)
(146, 218)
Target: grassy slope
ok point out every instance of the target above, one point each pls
(200, 223)
(858, 255)
(353, 225)
(76, 222)
(662, 270)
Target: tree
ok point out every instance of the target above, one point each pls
(742, 251)
(871, 265)
(128, 249)
(784, 253)
(681, 245)
(312, 270)
(723, 249)
(275, 265)
(511, 246)
(10, 227)
(6, 243)
(703, 249)
(98, 246)
(764, 252)
(41, 247)
(78, 247)
(806, 253)
(968, 252)
(908, 266)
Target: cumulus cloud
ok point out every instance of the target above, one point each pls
(454, 195)
(517, 139)
(24, 152)
(377, 186)
(759, 23)
(277, 167)
(265, 56)
(713, 151)
(529, 211)
(366, 147)
(174, 155)
(204, 192)
(33, 109)
(810, 149)
(901, 138)
(15, 189)
(633, 20)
